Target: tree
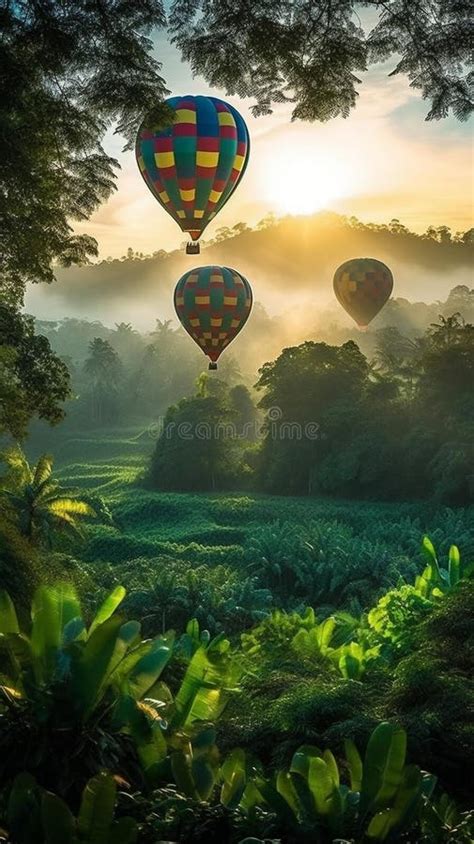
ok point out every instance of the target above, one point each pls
(67, 72)
(33, 380)
(308, 53)
(35, 503)
(104, 368)
(197, 445)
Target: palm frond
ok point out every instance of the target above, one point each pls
(69, 507)
(18, 467)
(43, 470)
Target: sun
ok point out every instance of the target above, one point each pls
(299, 180)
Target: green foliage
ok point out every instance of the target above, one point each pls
(431, 693)
(36, 504)
(383, 800)
(83, 694)
(352, 420)
(35, 816)
(281, 54)
(33, 380)
(85, 67)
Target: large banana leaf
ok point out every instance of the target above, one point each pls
(92, 664)
(52, 609)
(109, 606)
(202, 694)
(8, 616)
(97, 809)
(398, 816)
(383, 767)
(322, 785)
(58, 822)
(355, 765)
(234, 776)
(147, 670)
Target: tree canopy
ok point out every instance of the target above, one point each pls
(33, 380)
(308, 52)
(68, 71)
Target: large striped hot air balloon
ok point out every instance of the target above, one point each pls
(213, 305)
(363, 286)
(193, 167)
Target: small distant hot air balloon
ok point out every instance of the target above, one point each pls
(213, 305)
(363, 286)
(193, 167)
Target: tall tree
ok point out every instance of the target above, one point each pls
(68, 71)
(104, 369)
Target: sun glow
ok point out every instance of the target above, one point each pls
(301, 180)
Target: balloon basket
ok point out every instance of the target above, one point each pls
(212, 365)
(193, 249)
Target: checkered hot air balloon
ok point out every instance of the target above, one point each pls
(363, 286)
(213, 305)
(193, 167)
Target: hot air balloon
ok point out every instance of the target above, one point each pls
(213, 305)
(363, 286)
(193, 167)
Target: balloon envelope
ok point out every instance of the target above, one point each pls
(193, 167)
(363, 286)
(213, 305)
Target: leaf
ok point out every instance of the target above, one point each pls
(149, 668)
(349, 665)
(325, 631)
(8, 616)
(286, 788)
(52, 609)
(454, 565)
(233, 772)
(322, 786)
(74, 629)
(200, 696)
(355, 764)
(97, 809)
(92, 665)
(302, 758)
(182, 773)
(383, 766)
(58, 822)
(332, 767)
(43, 470)
(108, 607)
(401, 814)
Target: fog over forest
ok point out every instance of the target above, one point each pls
(289, 262)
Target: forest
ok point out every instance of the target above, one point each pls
(235, 606)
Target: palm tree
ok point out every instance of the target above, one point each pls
(37, 505)
(104, 369)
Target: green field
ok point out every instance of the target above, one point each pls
(369, 545)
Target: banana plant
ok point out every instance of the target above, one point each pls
(36, 816)
(315, 641)
(435, 581)
(87, 665)
(352, 659)
(382, 800)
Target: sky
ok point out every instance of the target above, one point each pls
(383, 161)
